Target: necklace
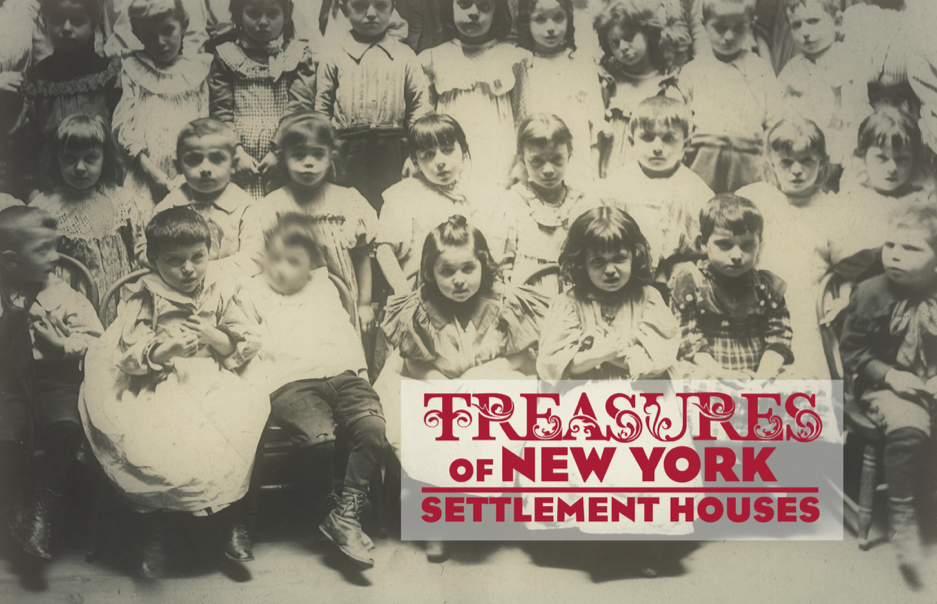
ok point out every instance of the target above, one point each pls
(609, 311)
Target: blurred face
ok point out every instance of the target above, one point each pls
(658, 149)
(730, 254)
(630, 49)
(473, 18)
(81, 168)
(546, 164)
(369, 17)
(796, 172)
(207, 163)
(163, 42)
(458, 273)
(183, 268)
(308, 165)
(610, 270)
(728, 29)
(441, 165)
(888, 170)
(263, 21)
(909, 259)
(813, 28)
(548, 24)
(288, 268)
(36, 258)
(69, 26)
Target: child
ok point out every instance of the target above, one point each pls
(799, 212)
(316, 368)
(734, 96)
(254, 79)
(656, 189)
(345, 223)
(372, 89)
(543, 207)
(158, 82)
(205, 157)
(888, 344)
(174, 428)
(545, 27)
(95, 214)
(414, 206)
(733, 317)
(634, 69)
(46, 328)
(480, 80)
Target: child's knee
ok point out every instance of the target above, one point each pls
(369, 432)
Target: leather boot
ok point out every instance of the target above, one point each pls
(33, 528)
(905, 536)
(343, 528)
(153, 550)
(330, 503)
(237, 542)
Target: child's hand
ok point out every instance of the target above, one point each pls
(904, 383)
(207, 333)
(269, 161)
(11, 81)
(51, 334)
(366, 318)
(183, 345)
(243, 162)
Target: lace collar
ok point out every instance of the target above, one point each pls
(91, 82)
(186, 74)
(545, 214)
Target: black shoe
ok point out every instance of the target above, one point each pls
(237, 543)
(153, 552)
(33, 528)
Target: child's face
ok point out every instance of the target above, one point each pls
(730, 254)
(909, 259)
(813, 28)
(473, 18)
(546, 164)
(69, 26)
(308, 165)
(441, 165)
(81, 168)
(458, 273)
(629, 47)
(163, 42)
(369, 17)
(287, 268)
(796, 172)
(183, 268)
(263, 20)
(548, 26)
(207, 163)
(609, 270)
(728, 28)
(658, 149)
(35, 260)
(888, 170)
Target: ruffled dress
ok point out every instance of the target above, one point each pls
(151, 95)
(180, 436)
(484, 87)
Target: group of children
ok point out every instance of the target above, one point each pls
(526, 210)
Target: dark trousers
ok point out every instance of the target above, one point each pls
(371, 160)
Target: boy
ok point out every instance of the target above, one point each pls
(314, 366)
(733, 95)
(205, 157)
(45, 330)
(657, 190)
(888, 344)
(372, 89)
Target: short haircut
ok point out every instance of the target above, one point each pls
(830, 7)
(888, 125)
(917, 215)
(633, 15)
(500, 21)
(173, 228)
(206, 126)
(731, 212)
(708, 5)
(144, 15)
(795, 134)
(237, 7)
(525, 9)
(435, 130)
(92, 7)
(16, 220)
(297, 230)
(455, 232)
(543, 129)
(79, 132)
(604, 229)
(661, 110)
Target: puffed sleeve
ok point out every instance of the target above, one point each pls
(137, 336)
(395, 227)
(79, 317)
(408, 327)
(779, 332)
(684, 305)
(126, 118)
(522, 314)
(363, 219)
(243, 329)
(657, 339)
(221, 92)
(302, 92)
(560, 338)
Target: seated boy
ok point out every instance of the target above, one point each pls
(315, 368)
(45, 330)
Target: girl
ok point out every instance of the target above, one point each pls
(413, 207)
(174, 428)
(545, 28)
(158, 81)
(254, 78)
(480, 80)
(95, 215)
(461, 323)
(634, 68)
(544, 206)
(345, 222)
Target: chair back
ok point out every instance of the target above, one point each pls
(351, 306)
(544, 270)
(81, 279)
(832, 301)
(113, 292)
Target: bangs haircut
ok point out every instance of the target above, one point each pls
(80, 132)
(501, 22)
(202, 127)
(830, 7)
(303, 129)
(656, 111)
(543, 129)
(174, 228)
(708, 6)
(737, 215)
(889, 125)
(297, 230)
(435, 130)
(525, 9)
(793, 135)
(642, 16)
(455, 232)
(15, 221)
(916, 215)
(145, 15)
(604, 229)
(237, 7)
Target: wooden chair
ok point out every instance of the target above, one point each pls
(81, 279)
(544, 270)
